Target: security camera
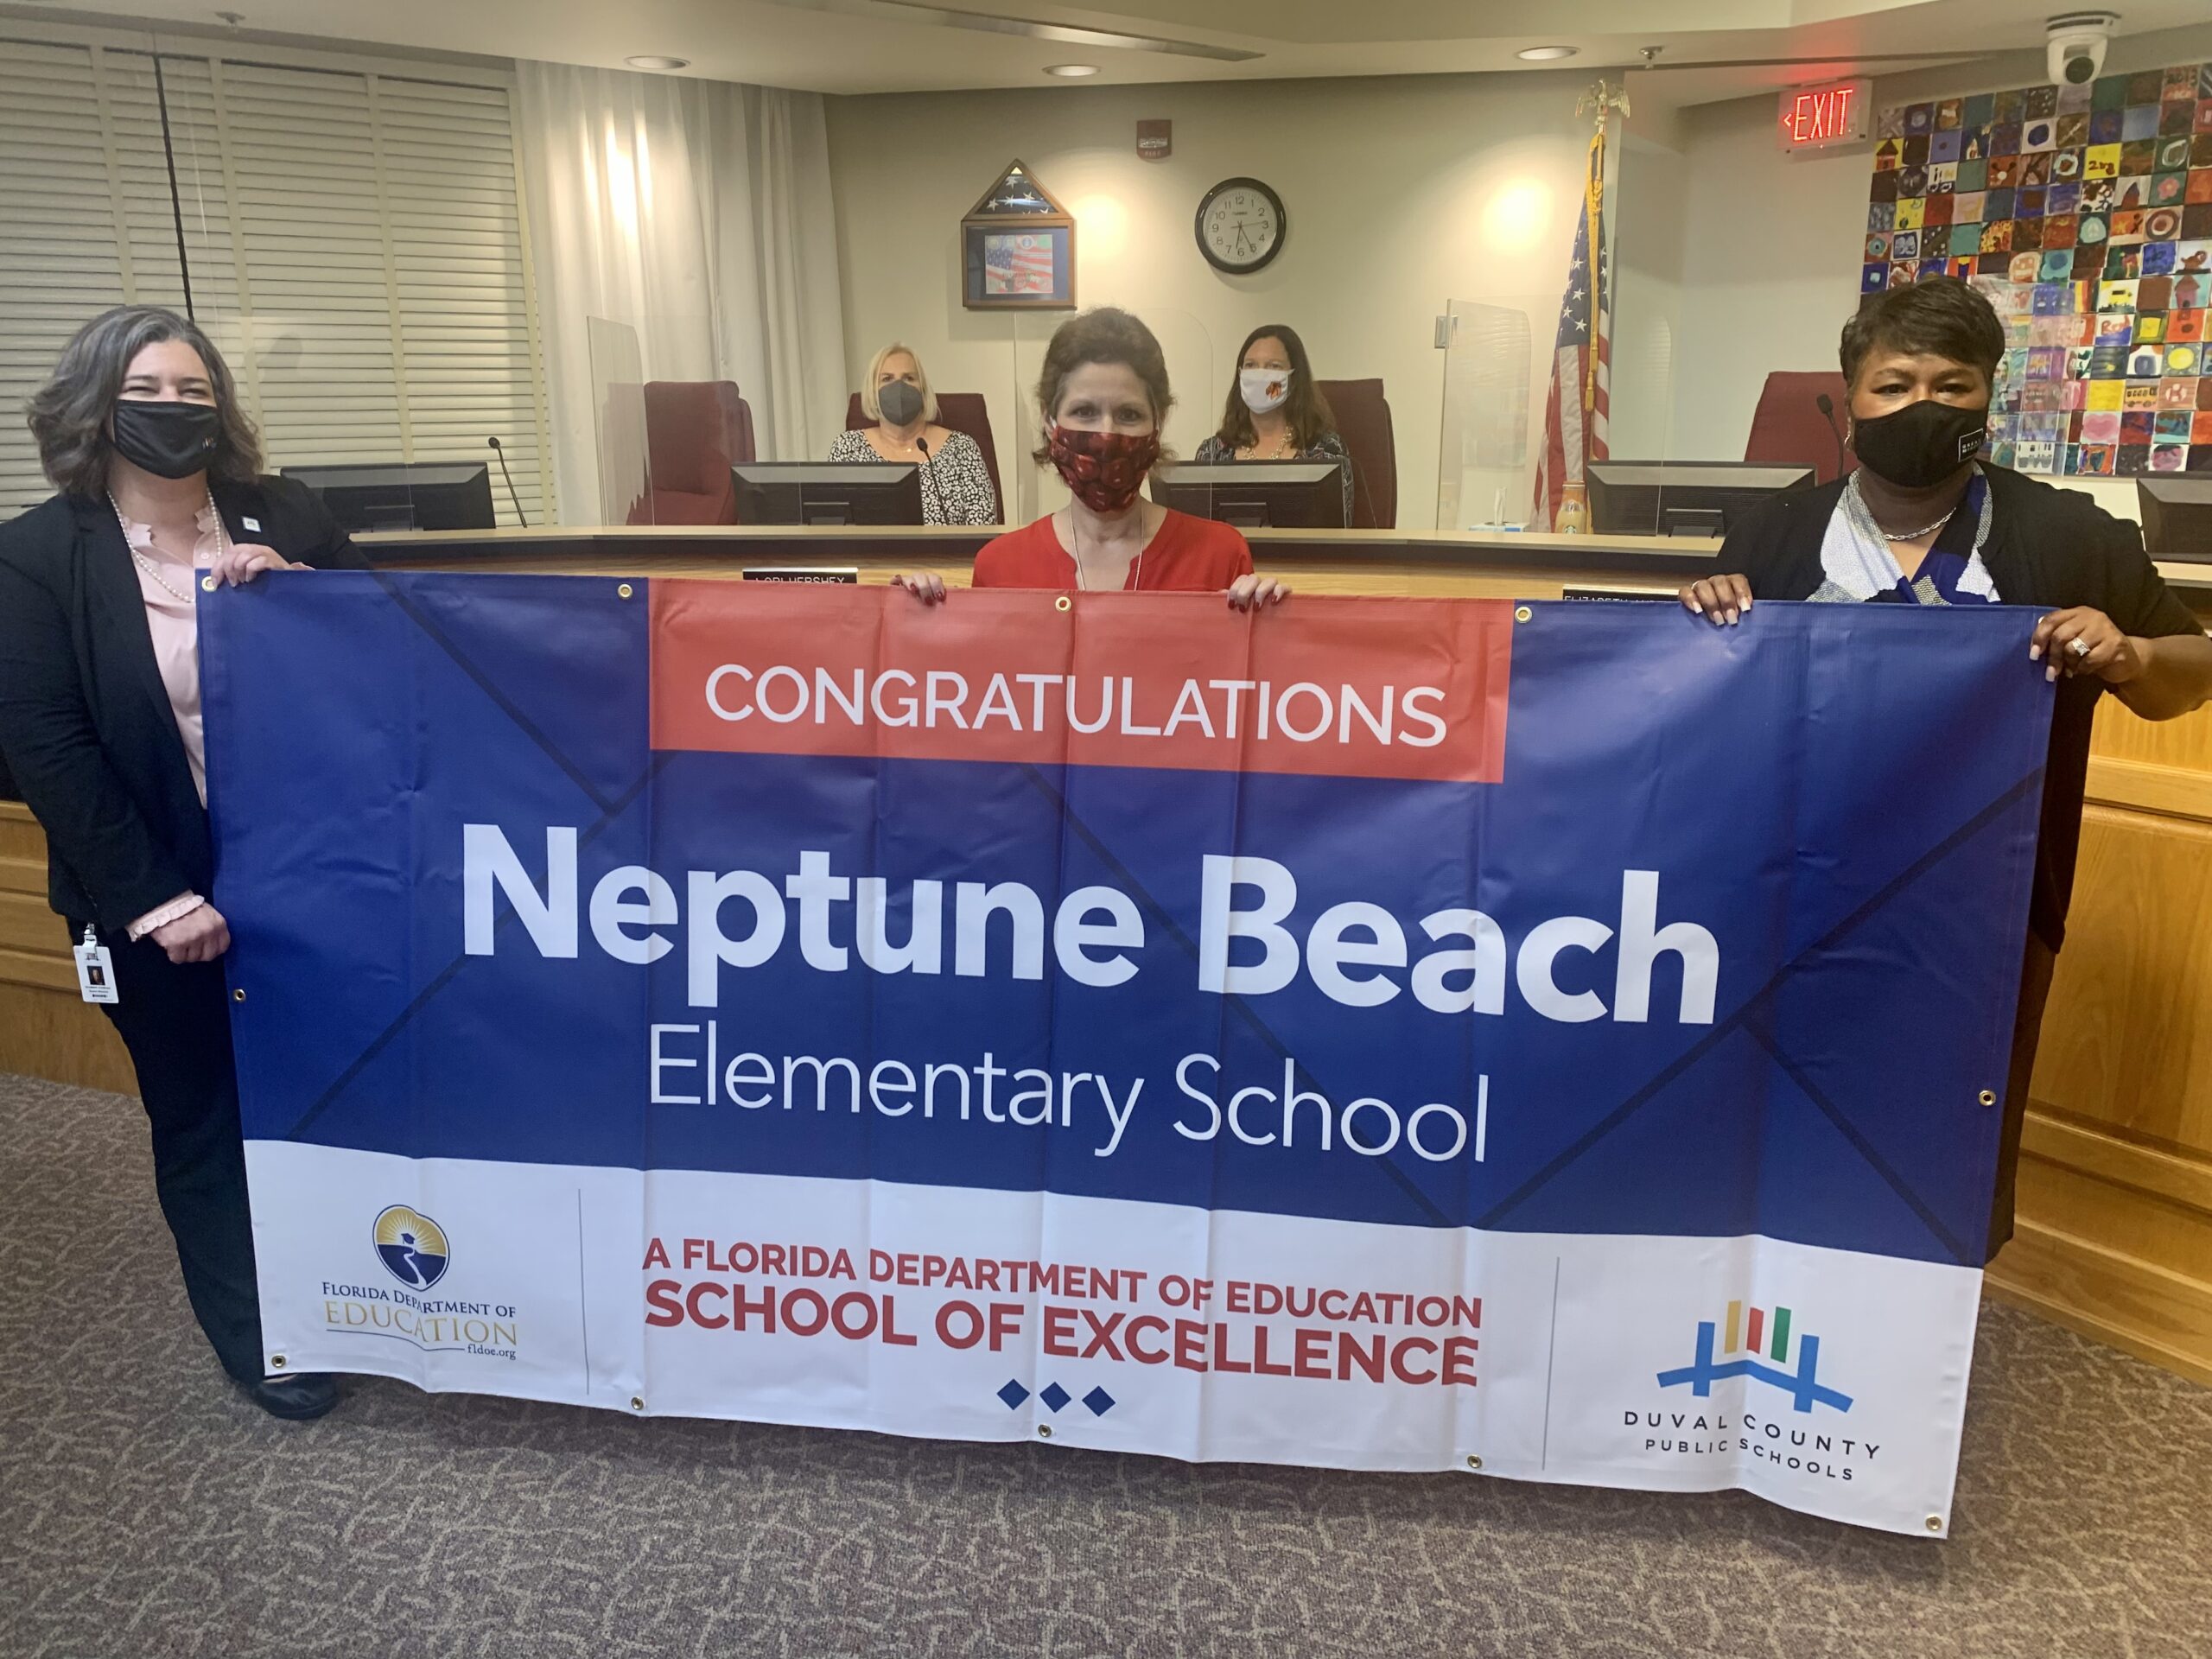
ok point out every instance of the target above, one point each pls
(2076, 44)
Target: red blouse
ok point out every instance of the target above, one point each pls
(1185, 554)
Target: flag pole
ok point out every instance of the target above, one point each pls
(1600, 101)
(1575, 434)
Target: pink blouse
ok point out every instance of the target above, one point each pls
(175, 624)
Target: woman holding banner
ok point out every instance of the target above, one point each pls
(1923, 521)
(1102, 396)
(156, 465)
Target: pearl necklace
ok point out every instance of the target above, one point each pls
(223, 540)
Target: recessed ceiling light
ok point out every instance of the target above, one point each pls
(1071, 71)
(1546, 53)
(651, 61)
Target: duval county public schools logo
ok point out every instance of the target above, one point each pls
(411, 1246)
(1757, 1339)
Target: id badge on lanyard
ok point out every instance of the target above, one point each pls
(95, 971)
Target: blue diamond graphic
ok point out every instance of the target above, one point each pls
(1014, 1394)
(1054, 1395)
(1099, 1400)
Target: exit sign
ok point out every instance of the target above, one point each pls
(1814, 118)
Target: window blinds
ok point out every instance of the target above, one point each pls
(355, 241)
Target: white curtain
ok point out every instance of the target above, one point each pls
(698, 213)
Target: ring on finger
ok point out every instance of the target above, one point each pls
(2078, 647)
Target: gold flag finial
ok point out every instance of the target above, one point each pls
(1602, 99)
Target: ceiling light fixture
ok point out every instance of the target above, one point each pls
(1546, 53)
(1071, 71)
(649, 60)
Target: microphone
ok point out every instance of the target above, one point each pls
(1827, 408)
(929, 472)
(510, 477)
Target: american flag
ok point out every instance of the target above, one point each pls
(1574, 412)
(1017, 264)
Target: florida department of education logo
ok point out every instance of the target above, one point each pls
(1758, 1346)
(411, 1246)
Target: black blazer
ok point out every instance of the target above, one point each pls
(2049, 548)
(85, 724)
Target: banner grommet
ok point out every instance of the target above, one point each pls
(625, 590)
(1521, 613)
(1988, 1096)
(206, 584)
(1935, 1524)
(637, 1402)
(1473, 1462)
(1064, 603)
(276, 1362)
(1044, 1431)
(238, 995)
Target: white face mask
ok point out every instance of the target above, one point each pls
(1264, 390)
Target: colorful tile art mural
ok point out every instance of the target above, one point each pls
(2085, 215)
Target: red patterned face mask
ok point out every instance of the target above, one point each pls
(1102, 470)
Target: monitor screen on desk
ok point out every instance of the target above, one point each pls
(2176, 516)
(828, 492)
(1257, 494)
(403, 495)
(1682, 497)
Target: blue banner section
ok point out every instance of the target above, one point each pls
(1731, 948)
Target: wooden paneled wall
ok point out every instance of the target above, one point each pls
(46, 1030)
(2115, 1191)
(2116, 1199)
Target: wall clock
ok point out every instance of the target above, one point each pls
(1240, 226)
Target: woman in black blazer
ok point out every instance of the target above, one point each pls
(157, 468)
(1925, 522)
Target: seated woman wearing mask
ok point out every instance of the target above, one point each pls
(1102, 396)
(1276, 410)
(896, 396)
(1922, 522)
(141, 431)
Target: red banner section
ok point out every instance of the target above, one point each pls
(1359, 687)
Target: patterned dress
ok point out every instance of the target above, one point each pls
(955, 485)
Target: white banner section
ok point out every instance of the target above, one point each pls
(1826, 1380)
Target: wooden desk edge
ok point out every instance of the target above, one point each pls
(700, 547)
(948, 550)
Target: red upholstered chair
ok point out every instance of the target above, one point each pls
(696, 430)
(1788, 425)
(1363, 423)
(956, 411)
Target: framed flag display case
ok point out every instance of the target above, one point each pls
(1018, 248)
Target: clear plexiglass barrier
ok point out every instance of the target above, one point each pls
(1490, 429)
(618, 405)
(1508, 458)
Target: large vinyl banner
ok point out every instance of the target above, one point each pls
(1561, 1042)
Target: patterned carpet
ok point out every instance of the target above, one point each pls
(145, 1510)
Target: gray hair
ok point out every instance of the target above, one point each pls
(68, 414)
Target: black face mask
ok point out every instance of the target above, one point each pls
(1919, 446)
(168, 440)
(900, 402)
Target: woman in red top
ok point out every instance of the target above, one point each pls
(1103, 395)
